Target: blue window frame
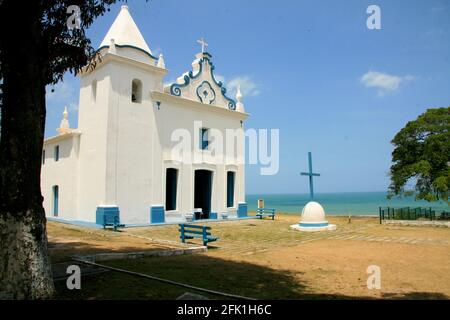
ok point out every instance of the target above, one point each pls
(204, 139)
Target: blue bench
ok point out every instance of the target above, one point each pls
(264, 212)
(191, 231)
(112, 221)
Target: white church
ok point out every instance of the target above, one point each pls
(120, 160)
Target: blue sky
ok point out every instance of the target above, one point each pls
(309, 68)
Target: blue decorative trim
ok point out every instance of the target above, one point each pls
(129, 46)
(213, 215)
(223, 90)
(313, 225)
(157, 214)
(203, 95)
(76, 222)
(175, 88)
(109, 212)
(242, 210)
(207, 54)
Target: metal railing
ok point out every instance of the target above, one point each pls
(406, 213)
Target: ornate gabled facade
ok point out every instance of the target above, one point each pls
(200, 84)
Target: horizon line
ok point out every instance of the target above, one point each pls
(306, 193)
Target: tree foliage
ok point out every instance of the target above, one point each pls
(36, 49)
(62, 49)
(422, 155)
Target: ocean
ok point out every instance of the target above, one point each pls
(354, 203)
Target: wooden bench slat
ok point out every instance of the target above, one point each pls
(210, 238)
(188, 236)
(186, 226)
(195, 232)
(265, 212)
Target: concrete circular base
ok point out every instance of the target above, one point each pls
(328, 227)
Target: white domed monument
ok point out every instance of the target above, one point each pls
(313, 219)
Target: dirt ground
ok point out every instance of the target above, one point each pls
(68, 240)
(340, 269)
(414, 261)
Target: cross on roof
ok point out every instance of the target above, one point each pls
(203, 43)
(311, 175)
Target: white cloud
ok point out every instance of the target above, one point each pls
(248, 87)
(383, 82)
(64, 94)
(443, 7)
(219, 77)
(60, 92)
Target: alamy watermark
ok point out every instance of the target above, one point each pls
(74, 20)
(374, 280)
(74, 280)
(374, 20)
(229, 146)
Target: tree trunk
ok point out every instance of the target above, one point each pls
(25, 271)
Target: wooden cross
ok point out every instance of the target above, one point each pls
(203, 43)
(311, 175)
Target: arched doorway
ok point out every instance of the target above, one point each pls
(171, 189)
(203, 192)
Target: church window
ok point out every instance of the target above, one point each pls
(204, 138)
(56, 153)
(231, 177)
(136, 91)
(94, 90)
(171, 189)
(55, 190)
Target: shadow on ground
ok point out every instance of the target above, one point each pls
(416, 296)
(65, 252)
(239, 278)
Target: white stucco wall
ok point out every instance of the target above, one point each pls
(130, 144)
(63, 173)
(177, 113)
(93, 115)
